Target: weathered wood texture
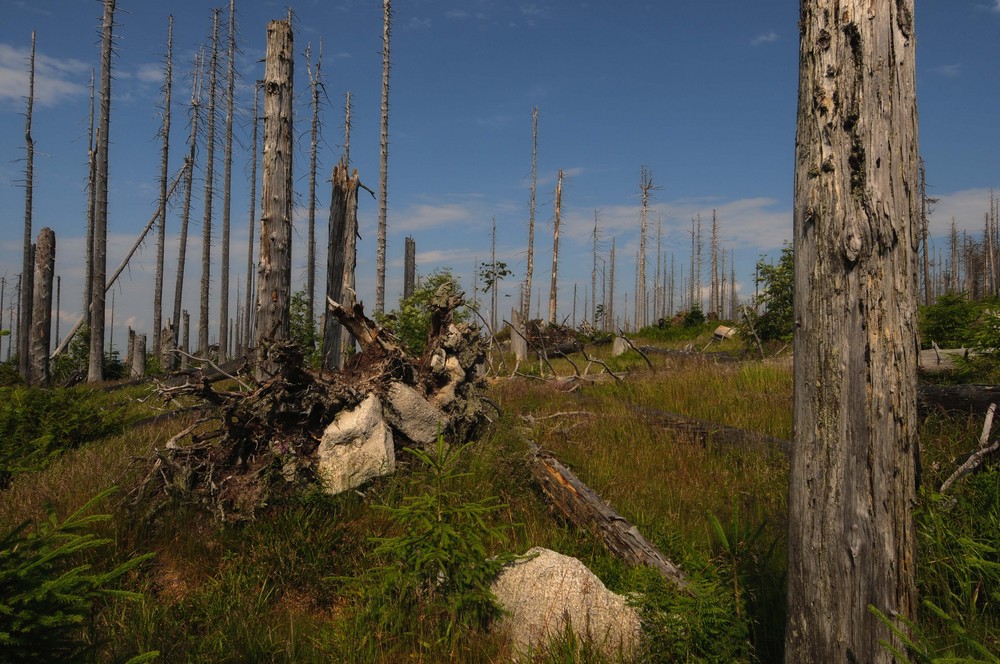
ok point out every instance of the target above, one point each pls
(274, 267)
(852, 479)
(41, 315)
(578, 503)
(383, 168)
(409, 267)
(99, 250)
(341, 260)
(206, 228)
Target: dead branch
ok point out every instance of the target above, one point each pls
(976, 459)
(633, 347)
(600, 362)
(360, 326)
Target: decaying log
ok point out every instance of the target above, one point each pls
(578, 503)
(957, 398)
(706, 432)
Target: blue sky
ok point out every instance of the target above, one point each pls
(702, 93)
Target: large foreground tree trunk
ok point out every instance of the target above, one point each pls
(274, 269)
(852, 487)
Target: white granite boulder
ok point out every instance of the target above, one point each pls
(544, 593)
(356, 447)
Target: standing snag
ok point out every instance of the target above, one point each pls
(41, 316)
(851, 534)
(274, 271)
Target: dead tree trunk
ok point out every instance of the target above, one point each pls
(610, 313)
(248, 303)
(529, 270)
(383, 164)
(341, 260)
(161, 237)
(41, 316)
(409, 268)
(206, 231)
(24, 344)
(553, 287)
(227, 185)
(314, 85)
(186, 338)
(851, 541)
(593, 279)
(274, 271)
(89, 241)
(95, 369)
(189, 188)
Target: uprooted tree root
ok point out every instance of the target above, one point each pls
(258, 442)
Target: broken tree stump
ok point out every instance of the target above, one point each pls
(583, 507)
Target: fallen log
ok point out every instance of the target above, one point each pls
(960, 398)
(578, 503)
(708, 433)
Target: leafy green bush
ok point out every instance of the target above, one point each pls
(776, 284)
(46, 592)
(437, 571)
(38, 425)
(411, 323)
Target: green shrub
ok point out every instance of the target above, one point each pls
(949, 321)
(776, 284)
(437, 572)
(411, 322)
(38, 425)
(47, 592)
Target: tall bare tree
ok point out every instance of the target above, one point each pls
(27, 268)
(926, 207)
(188, 190)
(610, 314)
(161, 237)
(274, 282)
(593, 278)
(851, 541)
(314, 86)
(553, 288)
(91, 175)
(383, 167)
(95, 369)
(715, 287)
(529, 270)
(41, 326)
(206, 230)
(247, 307)
(347, 128)
(227, 180)
(645, 188)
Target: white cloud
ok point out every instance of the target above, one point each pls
(967, 207)
(55, 79)
(948, 71)
(764, 38)
(150, 73)
(423, 216)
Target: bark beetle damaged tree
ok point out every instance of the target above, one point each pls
(851, 534)
(274, 269)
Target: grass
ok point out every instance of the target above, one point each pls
(286, 587)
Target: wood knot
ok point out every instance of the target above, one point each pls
(852, 245)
